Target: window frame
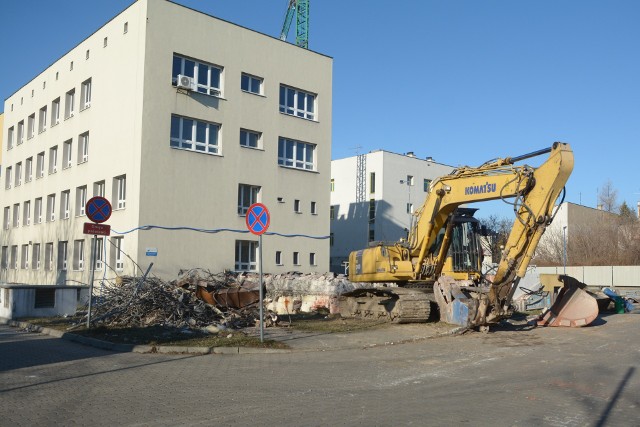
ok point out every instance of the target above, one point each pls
(245, 140)
(251, 250)
(180, 143)
(85, 94)
(208, 88)
(83, 147)
(288, 146)
(290, 99)
(120, 192)
(248, 194)
(250, 79)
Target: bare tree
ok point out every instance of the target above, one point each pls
(608, 197)
(498, 229)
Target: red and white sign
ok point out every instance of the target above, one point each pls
(97, 229)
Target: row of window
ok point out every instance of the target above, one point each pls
(372, 183)
(208, 79)
(12, 216)
(105, 43)
(16, 134)
(31, 255)
(246, 256)
(13, 174)
(204, 137)
(249, 194)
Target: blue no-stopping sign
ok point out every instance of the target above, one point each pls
(258, 219)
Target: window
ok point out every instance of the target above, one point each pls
(332, 212)
(372, 182)
(35, 258)
(87, 54)
(14, 257)
(313, 209)
(40, 165)
(296, 206)
(6, 219)
(4, 261)
(24, 257)
(120, 191)
(427, 183)
(20, 137)
(206, 76)
(409, 208)
(31, 126)
(71, 66)
(37, 211)
(194, 135)
(42, 120)
(45, 298)
(28, 169)
(83, 147)
(333, 185)
(246, 255)
(296, 154)
(53, 159)
(296, 258)
(51, 207)
(16, 215)
(78, 255)
(48, 256)
(98, 188)
(99, 248)
(278, 257)
(372, 235)
(26, 213)
(69, 103)
(81, 200)
(250, 139)
(66, 154)
(312, 259)
(117, 254)
(247, 195)
(372, 210)
(85, 93)
(64, 204)
(251, 84)
(331, 238)
(297, 103)
(409, 180)
(125, 29)
(7, 177)
(55, 112)
(18, 174)
(62, 255)
(10, 133)
(105, 42)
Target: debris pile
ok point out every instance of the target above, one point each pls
(135, 302)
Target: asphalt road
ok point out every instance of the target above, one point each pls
(514, 376)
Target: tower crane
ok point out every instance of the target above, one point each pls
(300, 8)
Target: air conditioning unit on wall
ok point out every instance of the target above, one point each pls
(186, 82)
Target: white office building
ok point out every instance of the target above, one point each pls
(373, 197)
(182, 121)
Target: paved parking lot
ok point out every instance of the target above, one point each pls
(514, 376)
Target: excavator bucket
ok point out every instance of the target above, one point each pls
(573, 306)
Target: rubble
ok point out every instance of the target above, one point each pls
(133, 302)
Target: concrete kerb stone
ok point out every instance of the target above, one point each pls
(130, 348)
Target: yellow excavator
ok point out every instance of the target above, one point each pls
(441, 260)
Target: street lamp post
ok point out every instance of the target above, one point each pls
(564, 249)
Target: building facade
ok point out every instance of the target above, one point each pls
(182, 121)
(373, 197)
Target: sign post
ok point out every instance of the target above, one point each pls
(98, 210)
(258, 220)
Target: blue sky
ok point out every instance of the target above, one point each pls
(462, 81)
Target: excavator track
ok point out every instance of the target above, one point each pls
(398, 305)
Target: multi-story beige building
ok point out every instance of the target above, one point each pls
(182, 121)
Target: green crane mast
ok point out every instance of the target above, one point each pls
(300, 8)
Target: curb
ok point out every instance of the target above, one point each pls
(141, 349)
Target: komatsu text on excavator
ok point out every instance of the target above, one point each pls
(441, 259)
